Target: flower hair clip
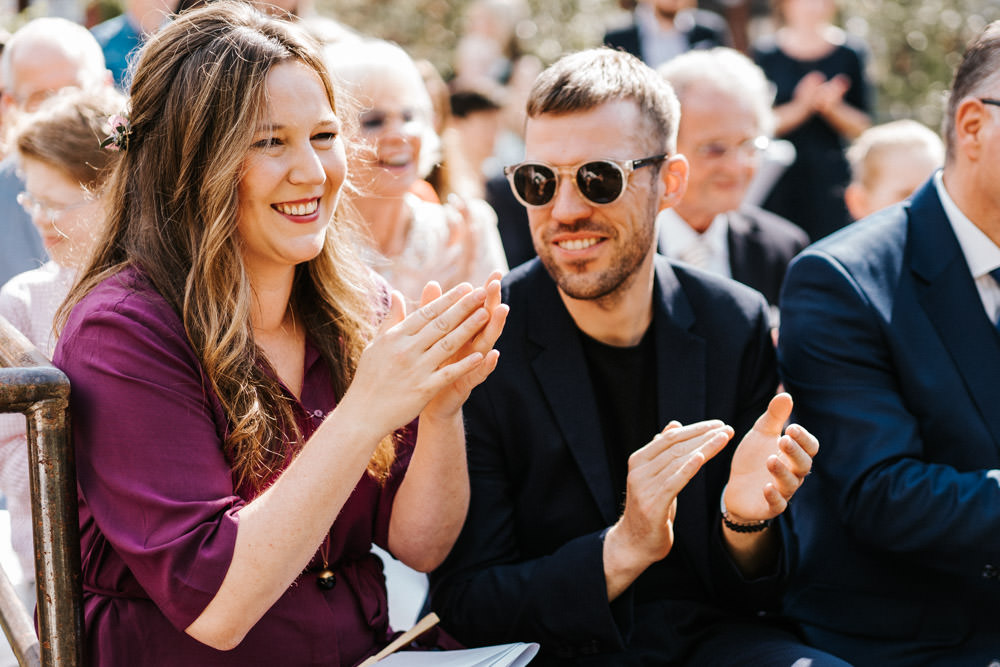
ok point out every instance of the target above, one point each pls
(119, 129)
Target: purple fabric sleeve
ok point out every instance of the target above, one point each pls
(406, 439)
(152, 476)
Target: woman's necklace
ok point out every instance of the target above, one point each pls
(326, 579)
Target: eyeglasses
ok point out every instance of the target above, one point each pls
(36, 208)
(31, 102)
(716, 150)
(599, 181)
(987, 100)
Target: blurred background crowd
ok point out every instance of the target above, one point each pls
(915, 44)
(836, 67)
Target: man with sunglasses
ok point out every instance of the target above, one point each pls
(890, 339)
(608, 519)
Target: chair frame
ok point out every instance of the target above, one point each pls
(31, 385)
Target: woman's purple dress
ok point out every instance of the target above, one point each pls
(158, 508)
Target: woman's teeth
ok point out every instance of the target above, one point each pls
(396, 160)
(305, 208)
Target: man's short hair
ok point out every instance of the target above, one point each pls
(71, 38)
(472, 96)
(977, 73)
(585, 80)
(727, 71)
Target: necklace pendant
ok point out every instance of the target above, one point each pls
(326, 579)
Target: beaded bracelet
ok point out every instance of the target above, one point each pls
(752, 527)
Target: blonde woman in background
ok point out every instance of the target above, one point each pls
(416, 240)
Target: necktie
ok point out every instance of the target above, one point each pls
(699, 254)
(996, 276)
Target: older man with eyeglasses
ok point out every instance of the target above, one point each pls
(726, 122)
(608, 519)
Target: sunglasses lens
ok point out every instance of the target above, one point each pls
(535, 183)
(600, 182)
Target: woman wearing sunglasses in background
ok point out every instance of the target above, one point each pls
(417, 239)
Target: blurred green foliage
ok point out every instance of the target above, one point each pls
(915, 44)
(431, 28)
(915, 47)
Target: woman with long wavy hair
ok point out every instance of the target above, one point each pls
(244, 425)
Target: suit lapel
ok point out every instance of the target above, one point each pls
(681, 379)
(948, 295)
(741, 265)
(561, 371)
(680, 354)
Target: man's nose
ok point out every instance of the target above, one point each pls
(568, 204)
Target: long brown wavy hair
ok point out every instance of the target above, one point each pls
(198, 93)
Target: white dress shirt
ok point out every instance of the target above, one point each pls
(981, 253)
(708, 250)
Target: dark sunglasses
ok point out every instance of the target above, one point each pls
(599, 181)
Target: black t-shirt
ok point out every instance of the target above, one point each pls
(624, 381)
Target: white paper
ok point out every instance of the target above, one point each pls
(502, 655)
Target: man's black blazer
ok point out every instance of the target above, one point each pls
(528, 564)
(761, 245)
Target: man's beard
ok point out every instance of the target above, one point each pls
(589, 285)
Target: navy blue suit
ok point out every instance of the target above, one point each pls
(895, 367)
(528, 565)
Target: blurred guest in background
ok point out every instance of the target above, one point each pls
(416, 240)
(65, 167)
(448, 173)
(489, 52)
(42, 57)
(476, 108)
(488, 46)
(662, 29)
(726, 120)
(120, 37)
(888, 163)
(823, 102)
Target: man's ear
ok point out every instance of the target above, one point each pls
(970, 122)
(674, 177)
(857, 200)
